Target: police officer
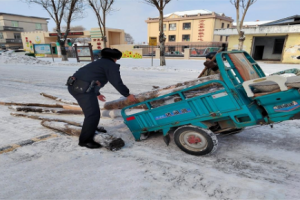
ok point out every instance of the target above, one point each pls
(211, 67)
(84, 86)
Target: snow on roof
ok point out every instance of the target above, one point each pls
(255, 23)
(191, 12)
(2, 13)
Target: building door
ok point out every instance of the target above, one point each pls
(268, 48)
(258, 52)
(54, 50)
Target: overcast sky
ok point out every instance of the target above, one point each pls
(131, 14)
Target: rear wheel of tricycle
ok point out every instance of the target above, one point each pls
(195, 141)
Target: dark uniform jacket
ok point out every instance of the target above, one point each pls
(103, 70)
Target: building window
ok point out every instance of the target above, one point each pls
(17, 35)
(226, 38)
(172, 38)
(1, 35)
(15, 24)
(222, 25)
(185, 37)
(278, 46)
(186, 26)
(172, 27)
(228, 25)
(221, 38)
(38, 26)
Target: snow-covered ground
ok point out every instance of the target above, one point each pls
(259, 163)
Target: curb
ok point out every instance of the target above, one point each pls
(12, 147)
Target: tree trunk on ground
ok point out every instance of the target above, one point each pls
(68, 107)
(58, 99)
(45, 118)
(121, 103)
(44, 110)
(31, 104)
(106, 140)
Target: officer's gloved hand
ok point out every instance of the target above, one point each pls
(131, 98)
(101, 97)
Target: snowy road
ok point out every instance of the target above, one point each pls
(259, 163)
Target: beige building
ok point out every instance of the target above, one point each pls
(276, 40)
(114, 37)
(196, 26)
(12, 25)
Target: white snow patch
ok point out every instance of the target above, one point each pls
(258, 163)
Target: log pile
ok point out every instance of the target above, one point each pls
(123, 102)
(68, 127)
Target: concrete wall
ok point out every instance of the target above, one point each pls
(128, 51)
(268, 43)
(292, 49)
(114, 36)
(233, 42)
(30, 38)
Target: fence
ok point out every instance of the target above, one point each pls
(178, 50)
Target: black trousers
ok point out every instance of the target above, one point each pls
(90, 107)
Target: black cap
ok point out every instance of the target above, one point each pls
(210, 55)
(111, 53)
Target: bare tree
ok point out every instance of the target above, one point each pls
(128, 38)
(160, 5)
(67, 10)
(244, 4)
(101, 9)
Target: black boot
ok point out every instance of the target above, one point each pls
(101, 129)
(90, 145)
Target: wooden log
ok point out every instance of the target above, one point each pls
(74, 129)
(45, 118)
(123, 102)
(105, 139)
(31, 104)
(45, 110)
(58, 99)
(66, 128)
(67, 107)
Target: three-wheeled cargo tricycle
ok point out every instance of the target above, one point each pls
(231, 108)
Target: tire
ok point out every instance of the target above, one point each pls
(195, 141)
